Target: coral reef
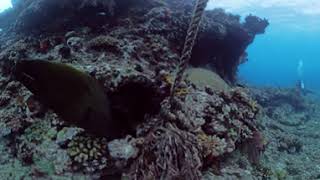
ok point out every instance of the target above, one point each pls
(220, 31)
(29, 14)
(170, 148)
(187, 135)
(132, 49)
(290, 123)
(290, 144)
(273, 97)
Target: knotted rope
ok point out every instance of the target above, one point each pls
(188, 44)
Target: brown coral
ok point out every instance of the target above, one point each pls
(213, 146)
(168, 153)
(104, 43)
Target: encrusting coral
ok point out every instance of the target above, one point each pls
(104, 43)
(87, 153)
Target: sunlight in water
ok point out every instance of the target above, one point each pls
(5, 4)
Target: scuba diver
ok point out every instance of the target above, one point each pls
(300, 86)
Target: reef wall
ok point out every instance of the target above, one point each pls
(221, 44)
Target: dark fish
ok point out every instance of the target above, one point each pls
(102, 13)
(74, 95)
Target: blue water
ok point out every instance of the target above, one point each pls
(293, 35)
(274, 57)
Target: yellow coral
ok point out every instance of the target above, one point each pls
(212, 145)
(88, 152)
(168, 79)
(181, 92)
(254, 105)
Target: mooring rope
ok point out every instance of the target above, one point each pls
(188, 44)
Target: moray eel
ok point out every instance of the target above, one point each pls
(74, 95)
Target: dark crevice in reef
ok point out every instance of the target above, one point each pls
(133, 99)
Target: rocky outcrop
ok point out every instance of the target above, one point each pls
(222, 44)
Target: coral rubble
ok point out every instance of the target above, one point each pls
(290, 124)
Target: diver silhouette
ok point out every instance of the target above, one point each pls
(300, 85)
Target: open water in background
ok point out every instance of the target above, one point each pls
(293, 35)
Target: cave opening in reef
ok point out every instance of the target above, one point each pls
(131, 101)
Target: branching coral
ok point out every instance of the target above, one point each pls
(254, 147)
(213, 146)
(168, 153)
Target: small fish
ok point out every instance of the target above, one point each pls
(74, 95)
(102, 13)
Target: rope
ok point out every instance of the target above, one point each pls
(188, 44)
